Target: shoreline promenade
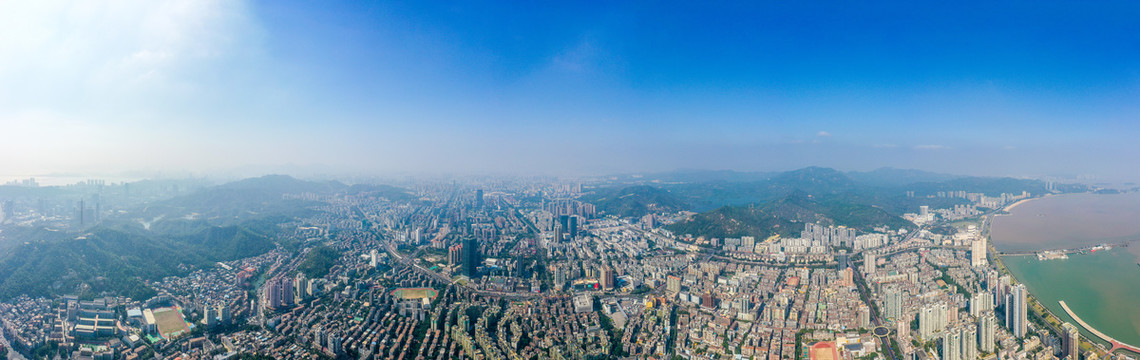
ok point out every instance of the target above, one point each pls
(1115, 344)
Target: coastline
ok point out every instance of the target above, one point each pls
(1036, 306)
(1009, 207)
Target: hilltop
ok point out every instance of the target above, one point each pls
(786, 216)
(635, 201)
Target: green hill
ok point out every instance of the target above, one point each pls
(318, 261)
(220, 223)
(119, 259)
(635, 201)
(785, 216)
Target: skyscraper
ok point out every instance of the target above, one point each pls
(479, 199)
(673, 284)
(869, 263)
(560, 276)
(981, 302)
(455, 255)
(1016, 311)
(843, 260)
(224, 314)
(299, 285)
(471, 257)
(208, 316)
(572, 226)
(607, 278)
(952, 345)
(864, 316)
(286, 289)
(893, 304)
(1070, 342)
(557, 233)
(926, 322)
(987, 330)
(970, 342)
(978, 252)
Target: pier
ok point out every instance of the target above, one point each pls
(1089, 248)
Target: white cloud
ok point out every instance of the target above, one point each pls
(81, 53)
(823, 134)
(93, 81)
(930, 147)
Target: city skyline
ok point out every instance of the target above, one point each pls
(205, 87)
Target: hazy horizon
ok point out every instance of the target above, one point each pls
(376, 89)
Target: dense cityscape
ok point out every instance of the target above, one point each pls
(578, 180)
(528, 269)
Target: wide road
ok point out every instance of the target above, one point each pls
(876, 318)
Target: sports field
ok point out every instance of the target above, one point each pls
(415, 293)
(824, 350)
(170, 322)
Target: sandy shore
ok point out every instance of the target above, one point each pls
(1019, 202)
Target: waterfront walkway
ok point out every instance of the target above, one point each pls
(1115, 344)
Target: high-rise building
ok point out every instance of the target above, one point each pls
(673, 284)
(607, 278)
(969, 342)
(952, 345)
(272, 294)
(208, 316)
(286, 288)
(708, 300)
(1016, 311)
(1001, 289)
(1070, 342)
(372, 256)
(932, 318)
(923, 210)
(941, 316)
(864, 313)
(479, 199)
(869, 263)
(987, 330)
(558, 233)
(224, 314)
(902, 327)
(926, 324)
(981, 302)
(560, 276)
(299, 287)
(471, 257)
(455, 255)
(842, 260)
(893, 304)
(572, 226)
(978, 252)
(335, 345)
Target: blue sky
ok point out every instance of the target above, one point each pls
(1014, 88)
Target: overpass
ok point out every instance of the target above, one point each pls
(1115, 344)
